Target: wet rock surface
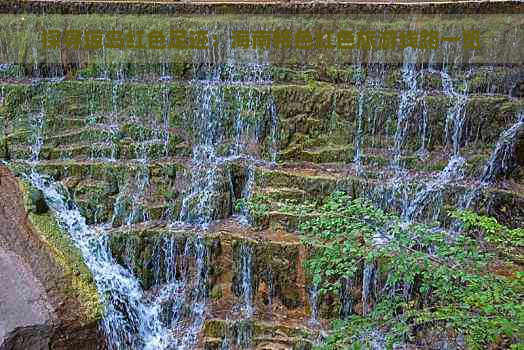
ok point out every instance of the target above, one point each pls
(191, 183)
(24, 303)
(263, 7)
(37, 310)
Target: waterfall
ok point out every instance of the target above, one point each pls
(430, 198)
(166, 105)
(313, 302)
(501, 162)
(134, 319)
(131, 320)
(357, 159)
(243, 334)
(423, 130)
(2, 95)
(113, 126)
(225, 344)
(129, 207)
(273, 117)
(198, 204)
(185, 292)
(247, 192)
(428, 201)
(246, 273)
(502, 159)
(37, 126)
(408, 100)
(367, 284)
(456, 112)
(202, 202)
(165, 76)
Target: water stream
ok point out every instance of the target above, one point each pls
(158, 317)
(409, 98)
(234, 122)
(246, 273)
(131, 319)
(502, 159)
(499, 165)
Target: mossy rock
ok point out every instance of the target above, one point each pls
(67, 255)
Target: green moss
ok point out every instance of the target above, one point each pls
(70, 259)
(216, 292)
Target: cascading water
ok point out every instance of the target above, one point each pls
(135, 318)
(37, 125)
(113, 126)
(203, 202)
(409, 98)
(423, 131)
(500, 163)
(273, 117)
(357, 159)
(455, 117)
(243, 334)
(129, 207)
(2, 95)
(232, 121)
(430, 198)
(131, 320)
(173, 293)
(313, 303)
(367, 285)
(247, 193)
(166, 105)
(396, 193)
(200, 204)
(246, 274)
(427, 202)
(502, 160)
(225, 344)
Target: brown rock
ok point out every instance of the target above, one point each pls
(35, 311)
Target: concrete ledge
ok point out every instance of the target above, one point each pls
(262, 7)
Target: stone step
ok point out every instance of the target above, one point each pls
(169, 181)
(327, 115)
(501, 200)
(125, 149)
(259, 335)
(276, 270)
(487, 79)
(315, 123)
(374, 159)
(94, 133)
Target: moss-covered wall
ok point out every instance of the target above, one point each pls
(82, 286)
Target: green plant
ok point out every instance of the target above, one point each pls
(256, 207)
(452, 286)
(505, 240)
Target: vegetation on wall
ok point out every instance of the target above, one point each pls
(466, 285)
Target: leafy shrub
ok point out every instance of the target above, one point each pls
(451, 279)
